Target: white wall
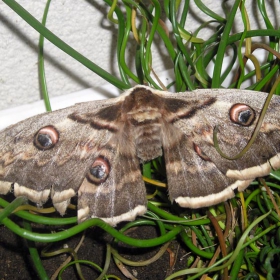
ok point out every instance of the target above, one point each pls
(83, 25)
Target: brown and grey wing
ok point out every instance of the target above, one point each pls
(193, 180)
(48, 155)
(197, 174)
(113, 189)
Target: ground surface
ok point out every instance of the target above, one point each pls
(15, 260)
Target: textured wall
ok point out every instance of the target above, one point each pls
(84, 26)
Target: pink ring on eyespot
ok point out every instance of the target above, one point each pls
(99, 170)
(46, 137)
(242, 114)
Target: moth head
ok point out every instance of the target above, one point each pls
(99, 170)
(141, 99)
(46, 138)
(242, 114)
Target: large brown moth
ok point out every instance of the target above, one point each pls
(95, 149)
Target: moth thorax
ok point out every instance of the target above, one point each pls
(148, 141)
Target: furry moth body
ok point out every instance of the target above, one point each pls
(95, 149)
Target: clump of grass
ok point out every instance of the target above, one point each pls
(237, 239)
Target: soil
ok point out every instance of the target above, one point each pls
(15, 262)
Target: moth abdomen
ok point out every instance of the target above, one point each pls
(148, 141)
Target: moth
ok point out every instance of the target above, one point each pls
(95, 149)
